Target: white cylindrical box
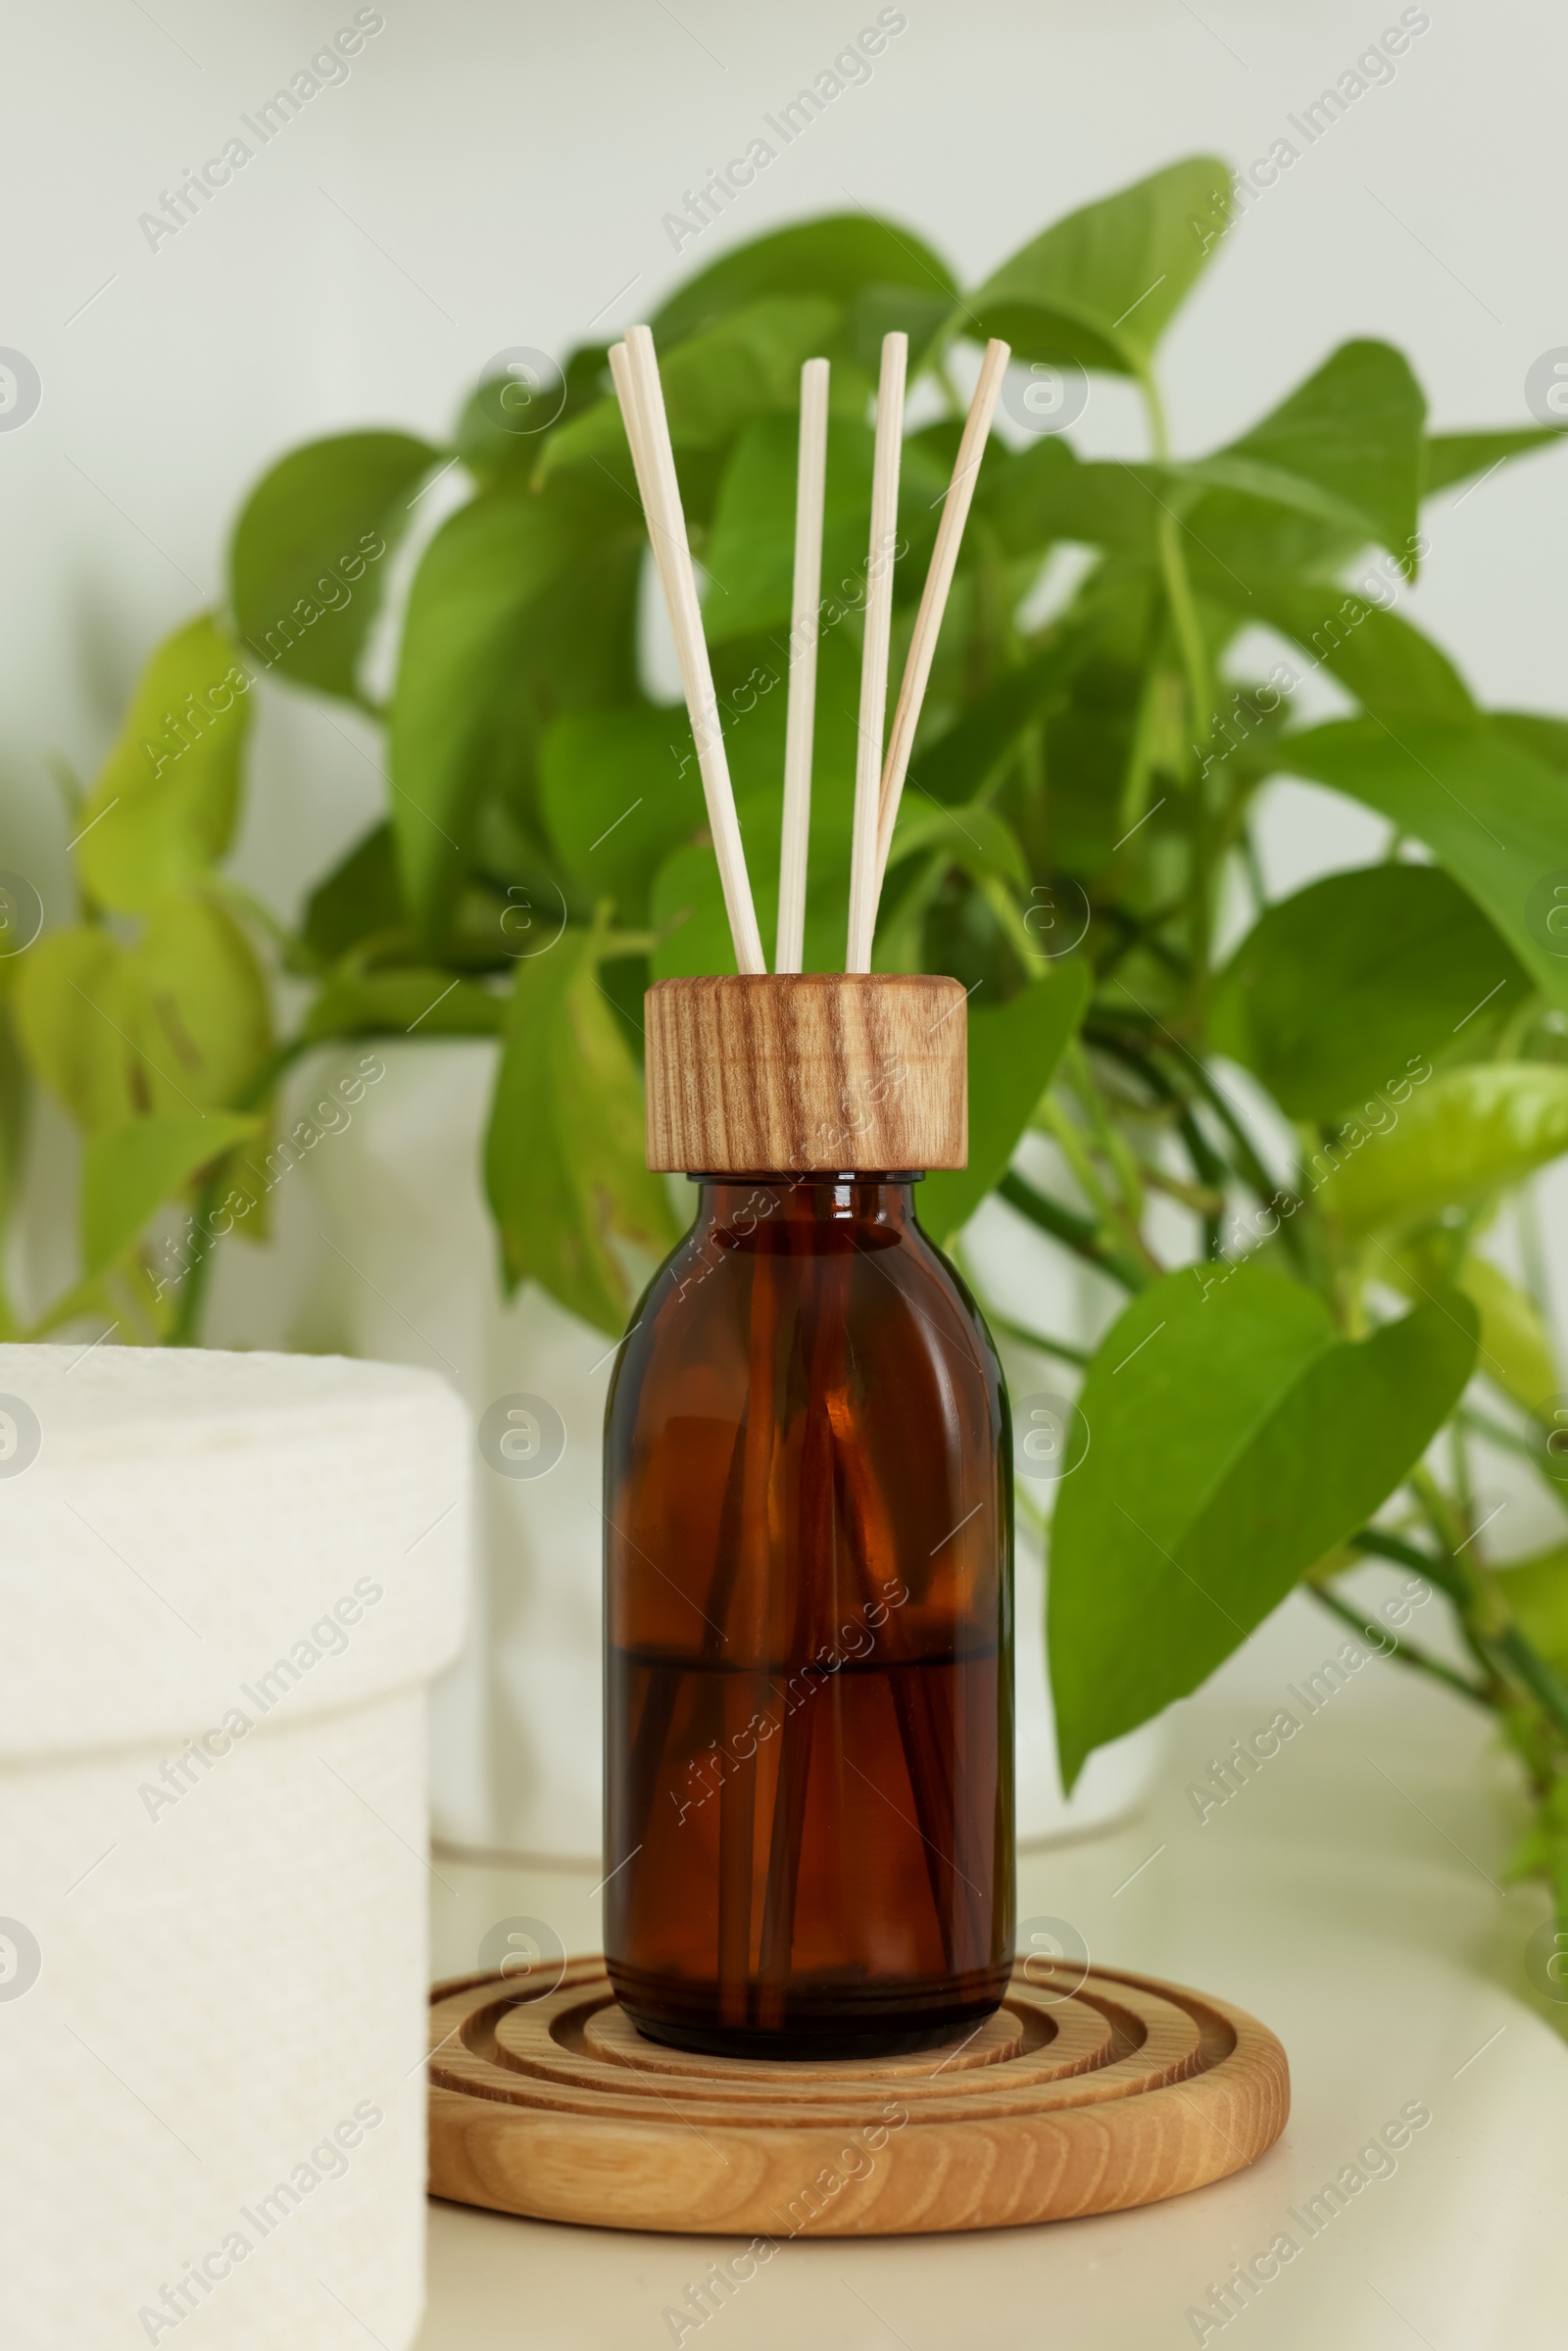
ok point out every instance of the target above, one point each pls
(225, 1582)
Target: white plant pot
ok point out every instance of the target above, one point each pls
(225, 1582)
(411, 1274)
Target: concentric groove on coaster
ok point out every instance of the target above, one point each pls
(1085, 2093)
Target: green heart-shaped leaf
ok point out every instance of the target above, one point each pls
(307, 563)
(1233, 1438)
(1102, 286)
(162, 809)
(127, 1172)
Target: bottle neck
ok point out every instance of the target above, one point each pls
(739, 1203)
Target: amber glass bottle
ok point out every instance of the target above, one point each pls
(809, 1747)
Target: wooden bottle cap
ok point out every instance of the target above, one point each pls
(824, 1072)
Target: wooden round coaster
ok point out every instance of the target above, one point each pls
(1085, 2093)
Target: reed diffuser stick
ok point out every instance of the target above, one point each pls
(631, 417)
(934, 599)
(647, 423)
(874, 658)
(810, 491)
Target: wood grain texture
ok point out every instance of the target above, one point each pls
(1085, 2093)
(824, 1071)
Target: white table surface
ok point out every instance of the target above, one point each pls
(1348, 1897)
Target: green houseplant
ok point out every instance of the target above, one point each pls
(1263, 1409)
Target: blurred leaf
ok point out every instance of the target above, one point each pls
(180, 1023)
(1228, 535)
(596, 437)
(76, 1008)
(1515, 1348)
(687, 913)
(491, 436)
(1388, 665)
(15, 1108)
(688, 916)
(1334, 991)
(1233, 1438)
(1345, 446)
(307, 562)
(407, 999)
(1031, 497)
(841, 257)
(1491, 811)
(1536, 732)
(359, 898)
(1013, 1052)
(204, 1030)
(522, 609)
(1102, 286)
(884, 309)
(619, 790)
(1454, 457)
(564, 1158)
(746, 365)
(962, 761)
(129, 1171)
(1543, 1850)
(974, 838)
(164, 805)
(1535, 1591)
(1515, 1345)
(1458, 1139)
(750, 556)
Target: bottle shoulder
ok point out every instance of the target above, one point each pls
(896, 1296)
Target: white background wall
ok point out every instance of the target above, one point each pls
(491, 176)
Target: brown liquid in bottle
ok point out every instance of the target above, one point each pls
(807, 1605)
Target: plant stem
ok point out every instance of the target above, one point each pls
(1009, 917)
(1501, 1650)
(1446, 1528)
(1405, 1651)
(1079, 1233)
(1174, 570)
(1248, 1163)
(1202, 1199)
(1038, 1339)
(1527, 1665)
(184, 1330)
(995, 1320)
(1377, 1544)
(1459, 1460)
(1207, 1165)
(1114, 1218)
(1111, 1142)
(1481, 1424)
(1145, 933)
